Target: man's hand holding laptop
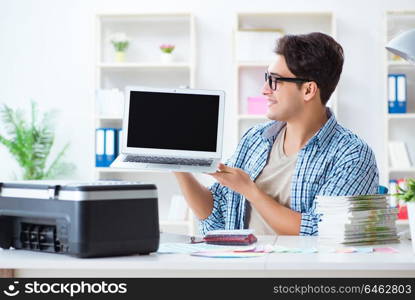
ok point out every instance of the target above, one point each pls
(200, 198)
(234, 178)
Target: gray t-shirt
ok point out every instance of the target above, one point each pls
(274, 180)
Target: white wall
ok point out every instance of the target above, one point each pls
(47, 54)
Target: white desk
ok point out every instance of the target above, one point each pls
(326, 264)
(322, 264)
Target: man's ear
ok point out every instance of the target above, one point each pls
(309, 90)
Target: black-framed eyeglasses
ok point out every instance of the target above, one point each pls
(272, 80)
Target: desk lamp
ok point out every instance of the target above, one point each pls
(403, 45)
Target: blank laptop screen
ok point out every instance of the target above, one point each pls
(173, 121)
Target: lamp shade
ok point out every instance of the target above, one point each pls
(403, 45)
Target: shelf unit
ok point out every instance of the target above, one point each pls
(249, 74)
(401, 116)
(149, 65)
(144, 67)
(399, 127)
(402, 223)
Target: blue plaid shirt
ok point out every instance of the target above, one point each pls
(334, 162)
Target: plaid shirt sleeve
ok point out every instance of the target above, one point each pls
(216, 220)
(354, 173)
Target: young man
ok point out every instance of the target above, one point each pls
(279, 167)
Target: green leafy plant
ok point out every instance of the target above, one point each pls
(120, 41)
(167, 48)
(408, 193)
(30, 143)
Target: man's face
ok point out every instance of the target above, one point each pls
(286, 101)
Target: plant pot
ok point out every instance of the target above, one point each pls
(119, 56)
(411, 219)
(166, 57)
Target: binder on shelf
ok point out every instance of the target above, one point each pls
(106, 146)
(119, 141)
(100, 147)
(393, 188)
(110, 146)
(391, 93)
(401, 92)
(397, 98)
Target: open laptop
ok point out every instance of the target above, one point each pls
(172, 130)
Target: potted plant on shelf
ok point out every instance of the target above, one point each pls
(31, 142)
(120, 41)
(167, 52)
(407, 193)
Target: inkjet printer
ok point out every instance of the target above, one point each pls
(102, 218)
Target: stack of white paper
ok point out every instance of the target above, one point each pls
(357, 220)
(398, 155)
(110, 103)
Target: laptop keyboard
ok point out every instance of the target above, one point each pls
(169, 160)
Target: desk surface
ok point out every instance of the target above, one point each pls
(318, 264)
(325, 260)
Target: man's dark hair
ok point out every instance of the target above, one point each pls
(315, 56)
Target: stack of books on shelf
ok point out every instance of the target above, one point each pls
(357, 220)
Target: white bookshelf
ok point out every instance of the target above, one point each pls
(399, 127)
(150, 65)
(402, 170)
(249, 74)
(402, 223)
(253, 117)
(392, 63)
(144, 67)
(108, 118)
(401, 116)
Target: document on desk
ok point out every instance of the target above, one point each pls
(208, 250)
(183, 248)
(230, 254)
(282, 249)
